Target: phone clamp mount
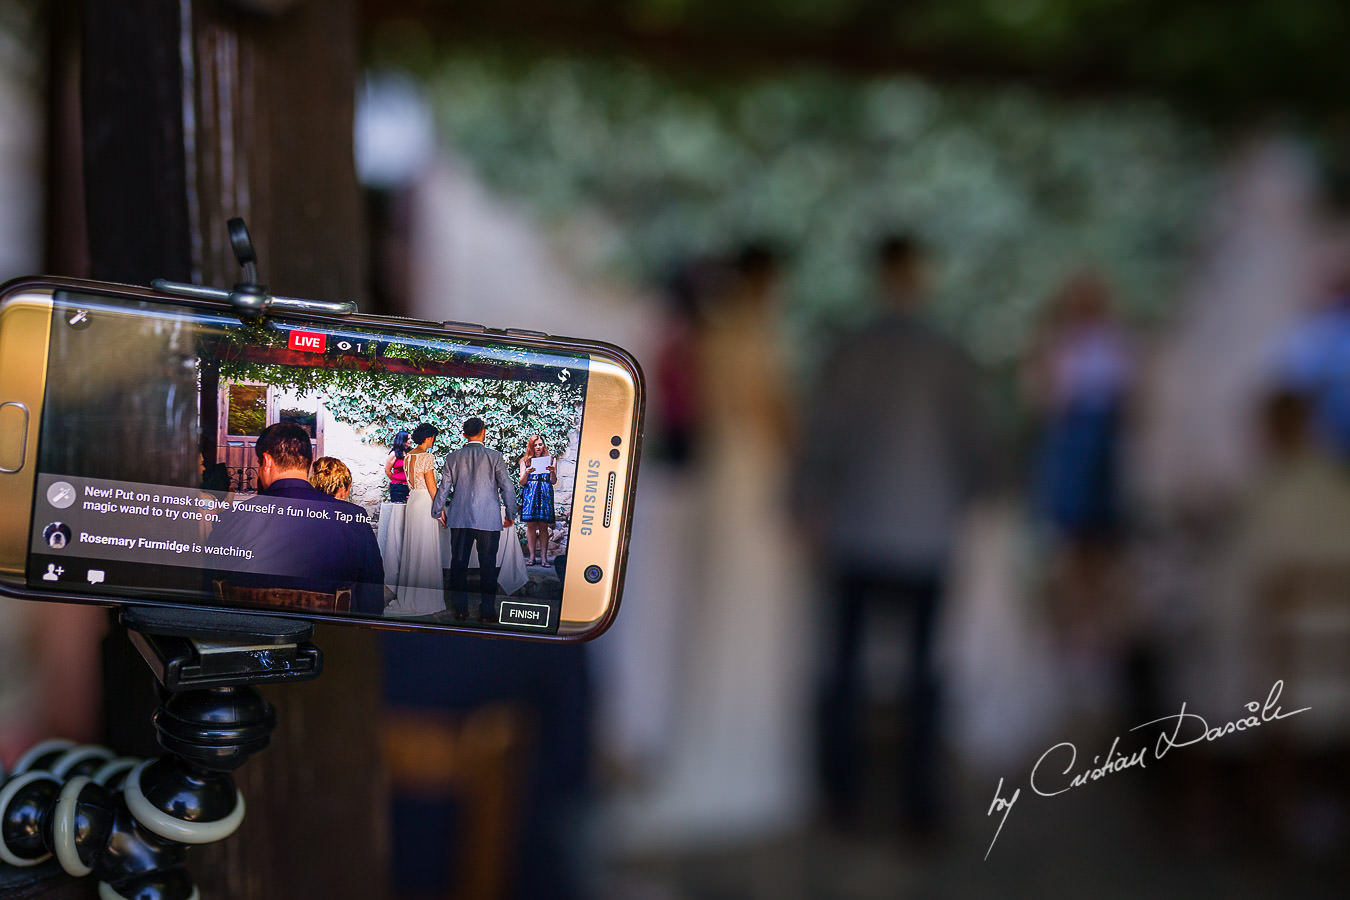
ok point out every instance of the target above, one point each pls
(129, 822)
(249, 298)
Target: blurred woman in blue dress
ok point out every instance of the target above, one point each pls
(1080, 378)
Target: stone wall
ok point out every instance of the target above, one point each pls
(365, 460)
(565, 489)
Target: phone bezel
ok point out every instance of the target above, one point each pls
(631, 448)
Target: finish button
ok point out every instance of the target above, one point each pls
(529, 615)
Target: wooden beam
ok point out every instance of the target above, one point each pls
(196, 111)
(700, 49)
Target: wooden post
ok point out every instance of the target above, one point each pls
(193, 112)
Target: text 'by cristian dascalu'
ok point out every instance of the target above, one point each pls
(1057, 771)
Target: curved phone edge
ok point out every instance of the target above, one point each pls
(13, 583)
(25, 335)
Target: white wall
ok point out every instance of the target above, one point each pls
(365, 460)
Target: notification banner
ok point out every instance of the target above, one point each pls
(98, 518)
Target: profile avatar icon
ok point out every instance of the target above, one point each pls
(57, 535)
(61, 494)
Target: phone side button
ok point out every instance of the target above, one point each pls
(13, 436)
(451, 325)
(525, 332)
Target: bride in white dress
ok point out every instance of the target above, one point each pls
(420, 590)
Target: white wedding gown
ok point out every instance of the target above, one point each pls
(420, 591)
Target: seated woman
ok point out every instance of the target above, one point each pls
(331, 475)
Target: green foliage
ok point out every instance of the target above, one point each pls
(384, 403)
(513, 410)
(1012, 190)
(248, 409)
(1233, 59)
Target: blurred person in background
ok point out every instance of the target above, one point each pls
(675, 375)
(892, 453)
(736, 761)
(1314, 362)
(641, 686)
(1280, 611)
(1078, 379)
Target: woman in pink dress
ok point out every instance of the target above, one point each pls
(395, 468)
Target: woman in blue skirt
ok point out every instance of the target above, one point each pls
(538, 475)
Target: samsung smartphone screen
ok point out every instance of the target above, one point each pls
(149, 483)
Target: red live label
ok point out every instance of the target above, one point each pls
(312, 341)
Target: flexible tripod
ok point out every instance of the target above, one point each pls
(130, 822)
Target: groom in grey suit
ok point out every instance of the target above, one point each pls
(475, 479)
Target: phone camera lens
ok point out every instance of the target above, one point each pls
(593, 574)
(614, 454)
(616, 440)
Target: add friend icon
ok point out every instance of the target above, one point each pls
(54, 572)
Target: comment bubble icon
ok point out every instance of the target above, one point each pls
(95, 576)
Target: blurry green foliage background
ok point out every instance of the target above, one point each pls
(1013, 190)
(1229, 60)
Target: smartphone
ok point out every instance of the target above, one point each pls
(160, 451)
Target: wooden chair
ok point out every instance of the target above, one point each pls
(475, 760)
(1305, 622)
(318, 601)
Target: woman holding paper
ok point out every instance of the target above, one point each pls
(538, 475)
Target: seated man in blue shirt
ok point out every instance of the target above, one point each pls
(300, 537)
